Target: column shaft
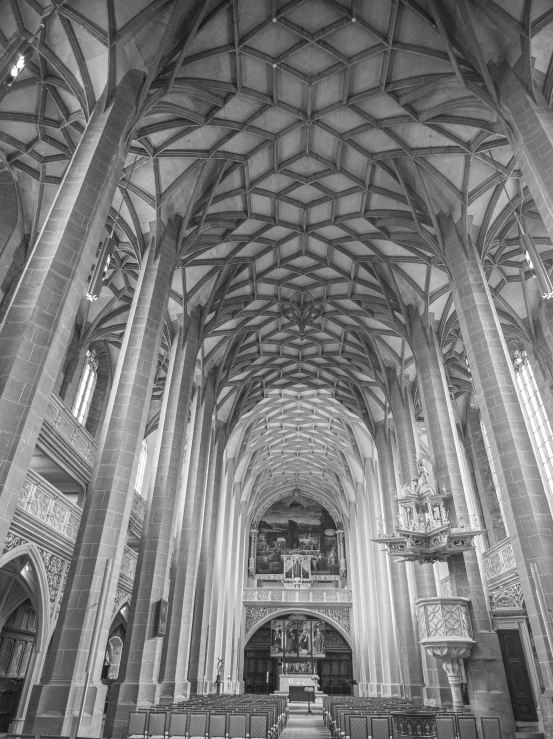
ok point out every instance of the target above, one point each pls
(137, 683)
(531, 136)
(435, 684)
(408, 642)
(522, 493)
(489, 499)
(487, 683)
(38, 323)
(216, 619)
(104, 523)
(176, 651)
(202, 605)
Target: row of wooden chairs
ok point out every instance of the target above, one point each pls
(362, 725)
(44, 736)
(202, 724)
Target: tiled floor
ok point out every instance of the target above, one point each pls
(305, 726)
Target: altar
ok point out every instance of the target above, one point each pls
(286, 681)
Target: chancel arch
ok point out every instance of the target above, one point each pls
(298, 642)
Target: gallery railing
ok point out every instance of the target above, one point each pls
(42, 501)
(59, 416)
(269, 595)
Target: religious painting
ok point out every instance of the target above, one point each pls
(291, 633)
(277, 638)
(304, 638)
(297, 525)
(299, 667)
(319, 645)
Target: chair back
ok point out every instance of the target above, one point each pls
(137, 723)
(197, 725)
(259, 726)
(380, 727)
(177, 724)
(217, 725)
(445, 727)
(156, 724)
(358, 727)
(467, 727)
(491, 727)
(237, 726)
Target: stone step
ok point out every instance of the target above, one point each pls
(529, 734)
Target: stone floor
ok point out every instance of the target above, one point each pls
(302, 725)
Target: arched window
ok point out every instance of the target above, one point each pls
(539, 423)
(141, 467)
(87, 384)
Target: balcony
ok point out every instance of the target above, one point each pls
(45, 516)
(67, 441)
(501, 573)
(280, 595)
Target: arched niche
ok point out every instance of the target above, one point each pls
(23, 581)
(262, 667)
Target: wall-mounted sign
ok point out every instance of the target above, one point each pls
(330, 532)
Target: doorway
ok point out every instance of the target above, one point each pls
(17, 640)
(518, 679)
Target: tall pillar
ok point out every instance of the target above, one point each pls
(253, 552)
(410, 655)
(522, 493)
(38, 323)
(489, 500)
(103, 527)
(435, 682)
(137, 683)
(531, 136)
(216, 618)
(365, 629)
(176, 651)
(487, 682)
(202, 604)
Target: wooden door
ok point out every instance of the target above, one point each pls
(520, 687)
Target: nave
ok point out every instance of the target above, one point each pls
(305, 726)
(276, 358)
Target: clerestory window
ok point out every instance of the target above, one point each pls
(533, 403)
(83, 398)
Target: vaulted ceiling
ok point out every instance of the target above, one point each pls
(309, 148)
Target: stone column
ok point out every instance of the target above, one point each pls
(410, 655)
(253, 552)
(137, 683)
(216, 618)
(487, 682)
(425, 583)
(202, 603)
(488, 498)
(176, 652)
(531, 135)
(522, 493)
(343, 570)
(38, 323)
(104, 523)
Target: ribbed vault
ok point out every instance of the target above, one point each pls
(300, 439)
(308, 149)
